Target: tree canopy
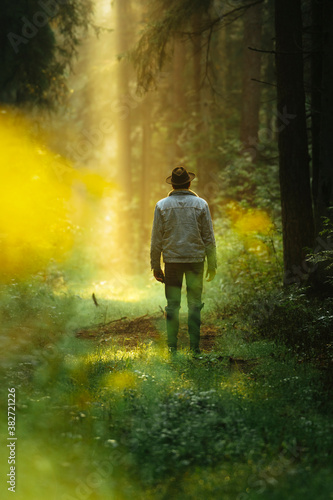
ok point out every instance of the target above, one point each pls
(37, 44)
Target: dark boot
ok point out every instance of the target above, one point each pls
(194, 322)
(172, 325)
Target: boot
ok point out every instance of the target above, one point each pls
(194, 322)
(172, 326)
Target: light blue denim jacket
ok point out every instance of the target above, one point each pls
(182, 230)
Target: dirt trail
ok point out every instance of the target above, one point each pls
(130, 333)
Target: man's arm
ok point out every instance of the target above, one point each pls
(208, 238)
(156, 242)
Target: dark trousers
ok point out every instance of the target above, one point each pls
(174, 273)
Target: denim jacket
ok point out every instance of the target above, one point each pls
(182, 230)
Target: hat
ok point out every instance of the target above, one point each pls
(180, 176)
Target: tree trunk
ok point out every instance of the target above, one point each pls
(322, 109)
(251, 70)
(316, 88)
(197, 98)
(297, 215)
(222, 72)
(268, 90)
(179, 102)
(202, 97)
(145, 215)
(125, 226)
(124, 119)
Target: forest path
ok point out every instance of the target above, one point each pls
(130, 333)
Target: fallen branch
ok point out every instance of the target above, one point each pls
(95, 300)
(140, 317)
(115, 320)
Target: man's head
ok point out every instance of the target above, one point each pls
(180, 178)
(182, 186)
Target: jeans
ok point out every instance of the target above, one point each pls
(173, 284)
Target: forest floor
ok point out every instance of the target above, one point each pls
(146, 329)
(103, 411)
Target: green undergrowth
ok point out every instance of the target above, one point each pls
(249, 420)
(244, 421)
(297, 318)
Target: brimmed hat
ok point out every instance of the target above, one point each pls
(180, 176)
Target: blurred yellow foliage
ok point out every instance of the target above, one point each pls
(248, 221)
(94, 183)
(36, 199)
(120, 380)
(255, 245)
(253, 221)
(34, 226)
(248, 224)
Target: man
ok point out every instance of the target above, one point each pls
(183, 233)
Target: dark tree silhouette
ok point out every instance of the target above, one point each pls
(322, 108)
(37, 43)
(297, 215)
(251, 72)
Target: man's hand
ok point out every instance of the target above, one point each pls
(210, 274)
(159, 275)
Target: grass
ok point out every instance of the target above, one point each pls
(110, 423)
(245, 421)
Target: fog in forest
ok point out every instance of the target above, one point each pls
(85, 175)
(99, 101)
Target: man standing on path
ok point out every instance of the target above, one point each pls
(183, 233)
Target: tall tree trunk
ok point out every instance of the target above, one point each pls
(251, 70)
(197, 98)
(222, 71)
(268, 91)
(124, 145)
(316, 91)
(297, 215)
(145, 210)
(322, 109)
(179, 102)
(124, 119)
(202, 95)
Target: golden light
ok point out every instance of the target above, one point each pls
(119, 381)
(43, 199)
(34, 225)
(251, 225)
(253, 221)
